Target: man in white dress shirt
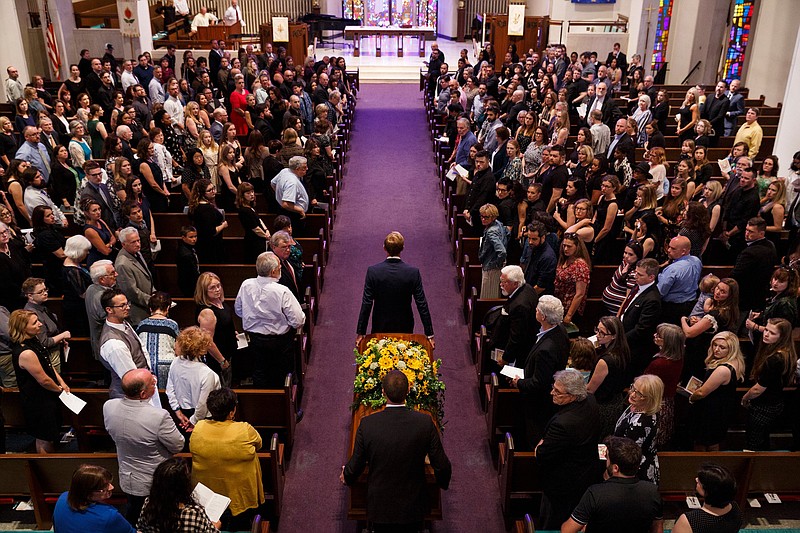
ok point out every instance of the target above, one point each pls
(233, 14)
(270, 316)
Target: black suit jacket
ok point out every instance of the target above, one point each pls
(394, 443)
(499, 161)
(389, 286)
(714, 111)
(752, 271)
(107, 212)
(567, 456)
(627, 146)
(289, 281)
(639, 322)
(622, 61)
(609, 110)
(548, 356)
(522, 325)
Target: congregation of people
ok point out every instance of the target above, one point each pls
(86, 170)
(542, 158)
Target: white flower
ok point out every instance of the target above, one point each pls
(401, 365)
(373, 366)
(401, 346)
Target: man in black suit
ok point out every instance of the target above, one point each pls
(622, 140)
(754, 266)
(548, 356)
(480, 193)
(280, 244)
(96, 190)
(622, 61)
(605, 103)
(567, 454)
(520, 309)
(394, 444)
(390, 286)
(714, 110)
(49, 137)
(641, 313)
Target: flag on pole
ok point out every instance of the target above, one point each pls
(52, 46)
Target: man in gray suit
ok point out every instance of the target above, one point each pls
(104, 276)
(135, 279)
(144, 435)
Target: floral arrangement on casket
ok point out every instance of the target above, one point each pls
(382, 355)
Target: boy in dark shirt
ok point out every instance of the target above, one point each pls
(187, 262)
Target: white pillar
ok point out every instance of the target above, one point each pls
(144, 42)
(787, 140)
(63, 17)
(12, 51)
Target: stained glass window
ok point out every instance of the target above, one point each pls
(738, 38)
(392, 12)
(662, 33)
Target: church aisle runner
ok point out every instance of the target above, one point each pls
(390, 185)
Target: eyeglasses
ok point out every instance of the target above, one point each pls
(43, 291)
(121, 306)
(601, 333)
(635, 392)
(557, 392)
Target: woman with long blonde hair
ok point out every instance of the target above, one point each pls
(210, 149)
(194, 124)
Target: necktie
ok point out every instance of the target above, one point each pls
(104, 193)
(628, 300)
(45, 159)
(142, 262)
(291, 271)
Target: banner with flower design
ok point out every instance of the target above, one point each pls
(412, 359)
(128, 18)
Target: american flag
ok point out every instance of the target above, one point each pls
(52, 46)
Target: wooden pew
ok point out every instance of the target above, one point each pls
(503, 404)
(234, 249)
(43, 477)
(471, 278)
(755, 473)
(268, 410)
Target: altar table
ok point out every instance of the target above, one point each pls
(358, 32)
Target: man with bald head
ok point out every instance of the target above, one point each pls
(678, 281)
(621, 140)
(145, 436)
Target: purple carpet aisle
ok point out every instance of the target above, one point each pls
(390, 184)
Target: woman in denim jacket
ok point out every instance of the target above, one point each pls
(492, 252)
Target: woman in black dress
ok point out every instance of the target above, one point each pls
(75, 280)
(774, 368)
(39, 383)
(8, 143)
(608, 379)
(152, 178)
(256, 233)
(640, 422)
(315, 179)
(48, 244)
(63, 180)
(689, 114)
(713, 403)
(229, 176)
(15, 267)
(605, 223)
(209, 221)
(215, 316)
(784, 284)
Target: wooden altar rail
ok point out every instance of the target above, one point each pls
(359, 32)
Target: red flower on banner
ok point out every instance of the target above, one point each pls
(128, 16)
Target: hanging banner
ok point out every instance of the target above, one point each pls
(280, 29)
(516, 19)
(128, 15)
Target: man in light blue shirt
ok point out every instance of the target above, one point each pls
(679, 280)
(34, 152)
(289, 190)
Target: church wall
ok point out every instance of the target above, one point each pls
(770, 51)
(696, 34)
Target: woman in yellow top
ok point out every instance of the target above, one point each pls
(224, 458)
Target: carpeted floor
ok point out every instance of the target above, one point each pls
(390, 185)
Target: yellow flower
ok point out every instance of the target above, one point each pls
(385, 362)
